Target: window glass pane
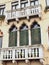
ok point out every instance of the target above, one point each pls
(2, 8)
(24, 28)
(32, 3)
(32, 36)
(1, 11)
(36, 3)
(35, 36)
(47, 1)
(17, 6)
(13, 37)
(26, 4)
(23, 37)
(22, 5)
(13, 7)
(0, 42)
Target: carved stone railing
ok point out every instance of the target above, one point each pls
(21, 53)
(30, 11)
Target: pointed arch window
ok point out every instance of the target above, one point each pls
(23, 35)
(35, 33)
(13, 36)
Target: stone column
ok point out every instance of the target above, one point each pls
(28, 2)
(29, 33)
(19, 3)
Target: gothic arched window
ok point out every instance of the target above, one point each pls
(23, 35)
(13, 36)
(35, 33)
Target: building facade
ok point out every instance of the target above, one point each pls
(24, 32)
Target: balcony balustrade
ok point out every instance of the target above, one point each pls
(21, 53)
(30, 11)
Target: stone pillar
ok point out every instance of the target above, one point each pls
(28, 2)
(19, 3)
(29, 32)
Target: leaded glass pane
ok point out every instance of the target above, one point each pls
(13, 37)
(35, 36)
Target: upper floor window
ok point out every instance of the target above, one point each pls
(34, 2)
(23, 35)
(15, 5)
(2, 8)
(35, 33)
(13, 36)
(47, 2)
(24, 3)
(47, 5)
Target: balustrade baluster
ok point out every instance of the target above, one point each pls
(26, 53)
(13, 54)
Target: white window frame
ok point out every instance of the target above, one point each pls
(34, 3)
(15, 5)
(25, 4)
(2, 9)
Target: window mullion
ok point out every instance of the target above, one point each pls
(29, 34)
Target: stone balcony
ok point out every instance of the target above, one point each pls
(21, 53)
(26, 12)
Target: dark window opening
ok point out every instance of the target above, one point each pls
(15, 5)
(0, 41)
(23, 35)
(34, 2)
(13, 36)
(35, 33)
(2, 9)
